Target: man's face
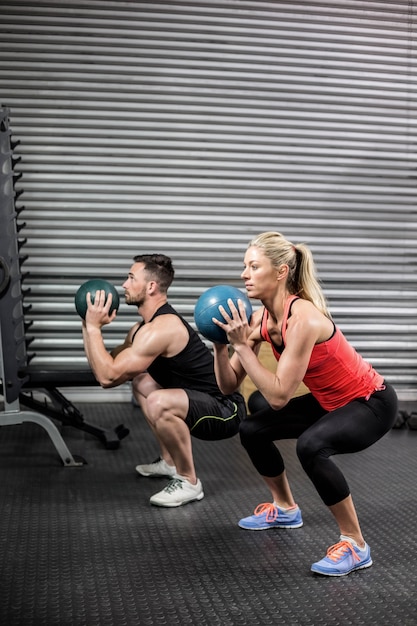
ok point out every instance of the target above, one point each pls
(135, 285)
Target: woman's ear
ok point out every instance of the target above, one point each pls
(282, 271)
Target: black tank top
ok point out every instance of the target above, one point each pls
(192, 368)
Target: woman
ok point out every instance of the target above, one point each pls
(349, 406)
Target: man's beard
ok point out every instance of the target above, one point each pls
(137, 300)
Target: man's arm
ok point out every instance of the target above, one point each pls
(150, 341)
(127, 342)
(111, 371)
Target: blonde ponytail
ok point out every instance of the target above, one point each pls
(302, 278)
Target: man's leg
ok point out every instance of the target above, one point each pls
(166, 412)
(142, 386)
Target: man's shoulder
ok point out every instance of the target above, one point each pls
(168, 320)
(168, 325)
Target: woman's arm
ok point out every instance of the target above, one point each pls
(306, 327)
(229, 369)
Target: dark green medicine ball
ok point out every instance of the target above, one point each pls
(92, 286)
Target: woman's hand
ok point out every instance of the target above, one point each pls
(235, 326)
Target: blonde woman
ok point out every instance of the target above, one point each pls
(350, 406)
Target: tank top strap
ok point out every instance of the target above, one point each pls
(264, 320)
(287, 309)
(163, 309)
(137, 330)
(264, 330)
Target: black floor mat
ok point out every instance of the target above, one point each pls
(83, 546)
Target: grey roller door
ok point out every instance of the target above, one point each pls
(188, 127)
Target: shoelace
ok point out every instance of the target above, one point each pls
(269, 509)
(336, 552)
(173, 484)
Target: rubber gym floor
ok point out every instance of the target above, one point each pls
(83, 546)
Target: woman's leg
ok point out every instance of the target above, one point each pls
(259, 431)
(349, 429)
(346, 517)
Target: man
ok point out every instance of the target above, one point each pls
(172, 373)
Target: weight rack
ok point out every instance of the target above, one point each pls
(18, 378)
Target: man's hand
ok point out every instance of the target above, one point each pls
(97, 314)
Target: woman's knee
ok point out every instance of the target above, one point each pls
(307, 448)
(245, 429)
(251, 435)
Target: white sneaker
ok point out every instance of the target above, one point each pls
(177, 492)
(157, 468)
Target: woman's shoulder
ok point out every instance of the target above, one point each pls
(302, 305)
(305, 313)
(258, 314)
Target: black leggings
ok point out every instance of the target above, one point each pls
(320, 434)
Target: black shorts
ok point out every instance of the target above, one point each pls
(214, 417)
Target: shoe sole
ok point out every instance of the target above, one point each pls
(271, 527)
(354, 569)
(153, 474)
(176, 504)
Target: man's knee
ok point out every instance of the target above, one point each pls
(155, 405)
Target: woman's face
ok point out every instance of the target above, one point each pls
(260, 276)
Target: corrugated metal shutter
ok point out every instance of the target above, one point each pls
(188, 127)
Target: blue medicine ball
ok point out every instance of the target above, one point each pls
(207, 307)
(92, 286)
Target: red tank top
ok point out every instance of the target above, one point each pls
(336, 373)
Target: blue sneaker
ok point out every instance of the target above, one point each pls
(269, 515)
(343, 558)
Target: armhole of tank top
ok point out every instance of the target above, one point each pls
(137, 330)
(263, 324)
(278, 349)
(334, 325)
(291, 303)
(284, 330)
(186, 324)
